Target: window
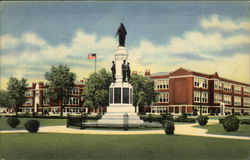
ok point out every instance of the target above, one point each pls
(74, 91)
(162, 84)
(237, 100)
(28, 93)
(246, 101)
(163, 97)
(204, 97)
(227, 87)
(217, 98)
(46, 101)
(73, 100)
(200, 82)
(45, 92)
(216, 84)
(28, 102)
(220, 85)
(246, 90)
(237, 89)
(196, 96)
(227, 99)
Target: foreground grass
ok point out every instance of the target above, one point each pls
(130, 147)
(43, 122)
(244, 130)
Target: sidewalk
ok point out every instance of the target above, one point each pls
(181, 129)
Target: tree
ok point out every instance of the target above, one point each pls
(144, 93)
(96, 93)
(61, 82)
(16, 91)
(5, 100)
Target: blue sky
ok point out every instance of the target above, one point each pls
(162, 36)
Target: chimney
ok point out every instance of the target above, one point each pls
(147, 73)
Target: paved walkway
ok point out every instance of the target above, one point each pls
(180, 129)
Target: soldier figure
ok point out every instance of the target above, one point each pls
(128, 72)
(124, 71)
(113, 71)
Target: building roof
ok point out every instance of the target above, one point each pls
(160, 74)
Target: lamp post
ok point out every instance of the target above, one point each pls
(200, 99)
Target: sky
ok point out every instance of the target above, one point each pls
(205, 37)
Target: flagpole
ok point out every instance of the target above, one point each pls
(95, 64)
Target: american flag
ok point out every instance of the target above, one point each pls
(92, 56)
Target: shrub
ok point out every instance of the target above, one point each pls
(202, 120)
(13, 121)
(231, 123)
(168, 127)
(167, 116)
(245, 121)
(32, 125)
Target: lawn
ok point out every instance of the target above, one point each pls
(43, 122)
(244, 130)
(131, 147)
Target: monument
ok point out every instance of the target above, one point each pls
(120, 109)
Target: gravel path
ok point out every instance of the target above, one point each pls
(180, 129)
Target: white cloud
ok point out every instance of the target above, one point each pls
(8, 41)
(213, 22)
(33, 39)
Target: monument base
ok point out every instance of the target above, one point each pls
(120, 114)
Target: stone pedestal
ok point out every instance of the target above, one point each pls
(120, 109)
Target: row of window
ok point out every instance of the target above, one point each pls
(163, 97)
(203, 97)
(228, 100)
(227, 87)
(161, 84)
(200, 82)
(75, 91)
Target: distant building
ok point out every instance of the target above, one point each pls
(183, 91)
(37, 100)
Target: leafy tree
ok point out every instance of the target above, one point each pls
(144, 93)
(5, 100)
(96, 93)
(61, 82)
(16, 91)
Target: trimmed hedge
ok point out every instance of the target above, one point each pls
(32, 126)
(168, 126)
(13, 121)
(202, 120)
(231, 123)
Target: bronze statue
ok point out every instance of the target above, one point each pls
(113, 71)
(122, 35)
(128, 72)
(124, 71)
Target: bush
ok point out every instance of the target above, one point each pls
(32, 125)
(168, 127)
(202, 120)
(231, 123)
(245, 121)
(167, 116)
(13, 121)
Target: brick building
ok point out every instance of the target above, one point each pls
(183, 91)
(38, 101)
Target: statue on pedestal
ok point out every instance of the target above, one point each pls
(122, 35)
(113, 71)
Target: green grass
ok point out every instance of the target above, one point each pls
(244, 130)
(42, 146)
(43, 122)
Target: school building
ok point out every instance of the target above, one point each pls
(184, 91)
